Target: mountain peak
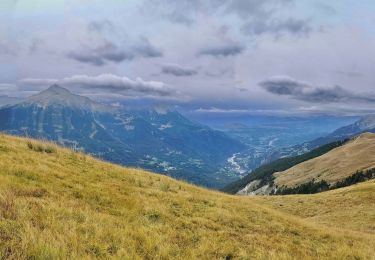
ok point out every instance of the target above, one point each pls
(57, 90)
(56, 95)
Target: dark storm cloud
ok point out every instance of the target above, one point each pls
(223, 51)
(178, 71)
(106, 83)
(110, 52)
(285, 86)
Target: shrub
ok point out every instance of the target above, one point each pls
(40, 148)
(306, 188)
(50, 149)
(30, 145)
(316, 187)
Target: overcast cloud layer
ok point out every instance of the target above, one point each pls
(201, 55)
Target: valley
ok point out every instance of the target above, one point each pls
(163, 141)
(269, 138)
(171, 143)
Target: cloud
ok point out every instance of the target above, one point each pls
(246, 9)
(178, 71)
(145, 49)
(100, 26)
(257, 17)
(222, 51)
(110, 52)
(350, 74)
(292, 26)
(286, 86)
(7, 49)
(7, 86)
(107, 83)
(184, 11)
(98, 56)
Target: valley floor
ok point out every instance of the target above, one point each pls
(55, 203)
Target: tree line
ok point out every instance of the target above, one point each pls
(314, 186)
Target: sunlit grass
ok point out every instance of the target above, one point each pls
(64, 204)
(351, 208)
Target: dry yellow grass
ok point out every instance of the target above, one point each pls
(342, 162)
(57, 204)
(351, 208)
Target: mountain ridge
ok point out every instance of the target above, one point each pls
(171, 144)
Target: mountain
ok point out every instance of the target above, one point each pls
(58, 204)
(6, 100)
(263, 175)
(58, 96)
(161, 141)
(364, 124)
(331, 166)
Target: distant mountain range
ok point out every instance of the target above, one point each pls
(6, 100)
(161, 141)
(364, 124)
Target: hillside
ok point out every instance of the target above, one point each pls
(350, 208)
(264, 174)
(331, 166)
(334, 166)
(55, 203)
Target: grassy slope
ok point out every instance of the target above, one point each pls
(68, 205)
(351, 208)
(333, 166)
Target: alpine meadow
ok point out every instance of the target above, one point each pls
(189, 129)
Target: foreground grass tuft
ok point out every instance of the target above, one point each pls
(40, 147)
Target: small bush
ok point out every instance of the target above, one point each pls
(153, 216)
(40, 148)
(50, 149)
(30, 145)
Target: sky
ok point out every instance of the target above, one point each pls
(278, 57)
